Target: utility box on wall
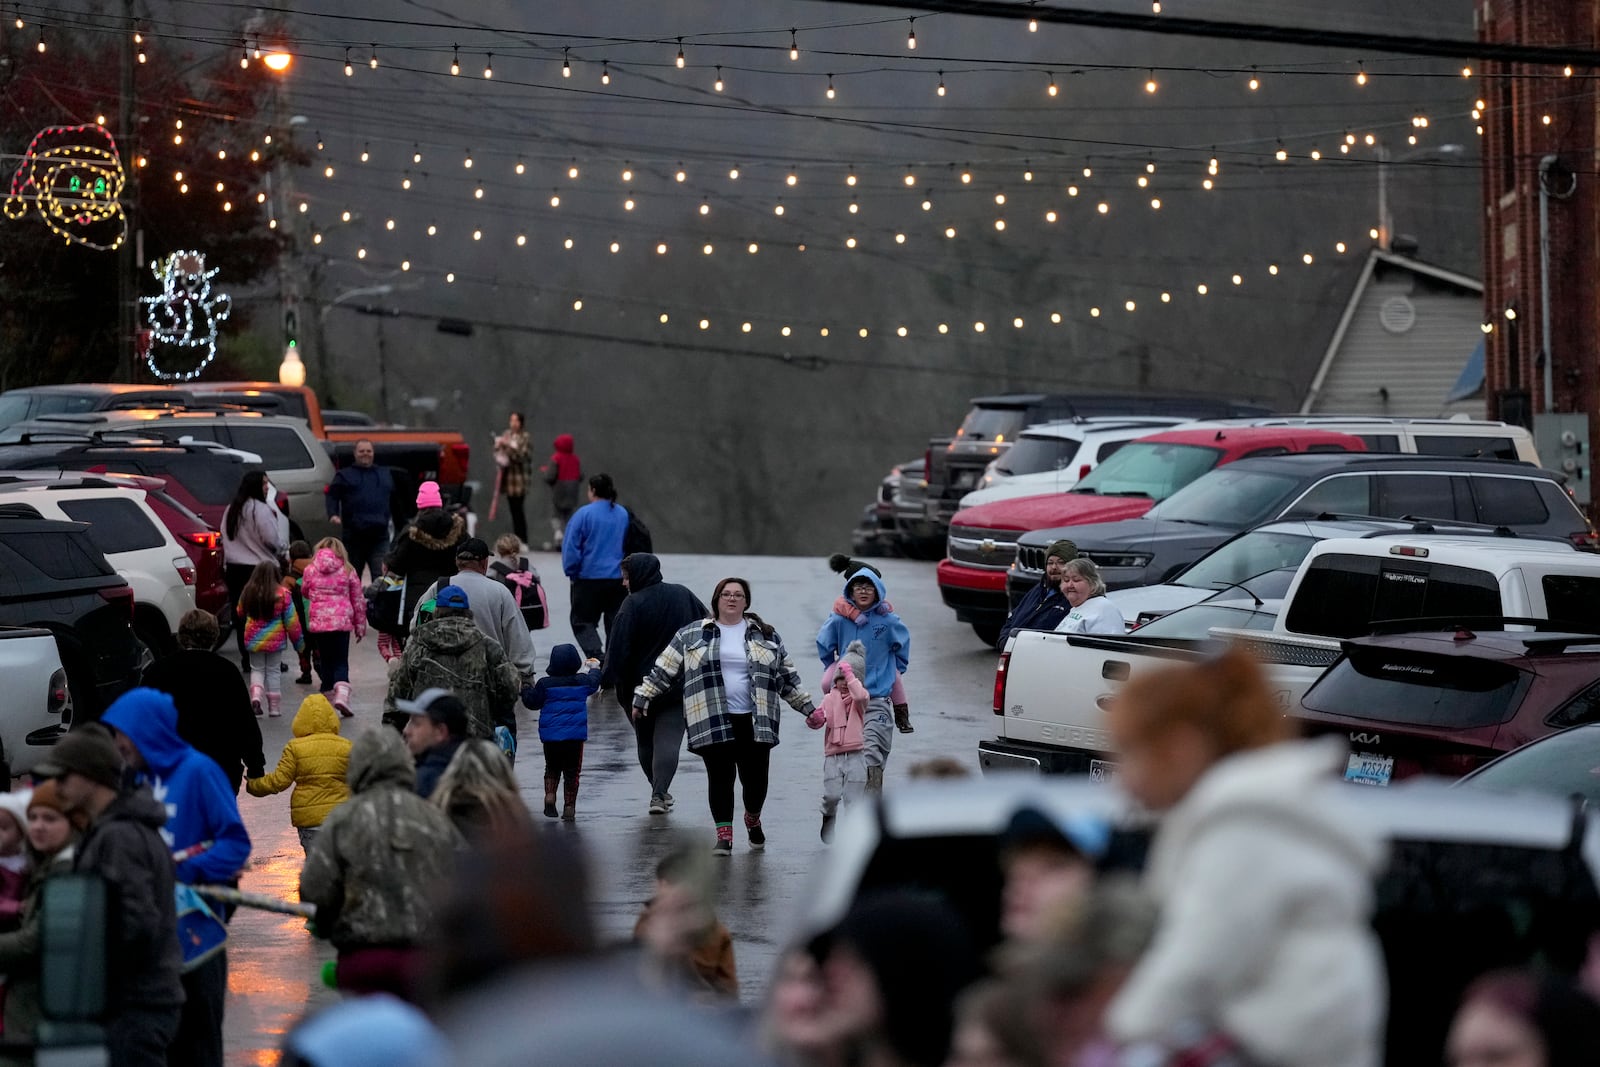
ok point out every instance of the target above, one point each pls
(1563, 444)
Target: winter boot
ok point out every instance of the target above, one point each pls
(875, 781)
(256, 693)
(827, 827)
(550, 781)
(341, 699)
(305, 669)
(569, 810)
(273, 700)
(724, 845)
(758, 836)
(902, 718)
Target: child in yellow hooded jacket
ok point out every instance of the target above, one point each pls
(314, 762)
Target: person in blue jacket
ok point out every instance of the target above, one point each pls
(203, 827)
(888, 645)
(562, 700)
(1044, 606)
(591, 556)
(360, 502)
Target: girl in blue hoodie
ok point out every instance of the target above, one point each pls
(562, 700)
(888, 645)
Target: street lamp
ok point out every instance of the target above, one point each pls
(277, 60)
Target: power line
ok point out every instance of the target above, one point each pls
(1442, 47)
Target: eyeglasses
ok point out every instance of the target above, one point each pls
(733, 594)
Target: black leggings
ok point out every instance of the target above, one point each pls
(519, 517)
(236, 576)
(743, 758)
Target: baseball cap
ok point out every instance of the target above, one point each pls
(1084, 834)
(472, 548)
(440, 705)
(451, 596)
(88, 751)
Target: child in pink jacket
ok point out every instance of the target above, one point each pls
(844, 715)
(335, 608)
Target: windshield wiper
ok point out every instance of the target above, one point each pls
(1084, 489)
(1129, 492)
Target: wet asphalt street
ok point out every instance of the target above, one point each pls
(275, 965)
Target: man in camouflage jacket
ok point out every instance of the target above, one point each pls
(450, 652)
(374, 869)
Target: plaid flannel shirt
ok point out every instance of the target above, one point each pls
(695, 653)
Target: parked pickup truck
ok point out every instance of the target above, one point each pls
(1138, 476)
(1052, 689)
(36, 703)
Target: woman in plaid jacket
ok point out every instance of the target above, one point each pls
(734, 671)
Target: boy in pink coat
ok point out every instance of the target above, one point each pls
(844, 715)
(335, 609)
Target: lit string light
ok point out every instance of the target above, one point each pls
(187, 313)
(73, 176)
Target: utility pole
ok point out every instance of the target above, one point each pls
(131, 255)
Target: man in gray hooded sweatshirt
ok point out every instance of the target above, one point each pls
(654, 610)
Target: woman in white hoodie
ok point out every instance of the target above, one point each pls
(1264, 936)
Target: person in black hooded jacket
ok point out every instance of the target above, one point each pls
(654, 610)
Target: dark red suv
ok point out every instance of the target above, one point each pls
(1446, 703)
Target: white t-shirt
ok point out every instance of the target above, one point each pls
(1097, 615)
(736, 668)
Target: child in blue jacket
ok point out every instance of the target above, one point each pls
(888, 645)
(562, 700)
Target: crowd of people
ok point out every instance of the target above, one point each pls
(1242, 937)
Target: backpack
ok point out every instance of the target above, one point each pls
(637, 537)
(526, 589)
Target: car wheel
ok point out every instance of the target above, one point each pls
(988, 632)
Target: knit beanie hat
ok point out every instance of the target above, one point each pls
(45, 795)
(428, 495)
(1064, 550)
(856, 656)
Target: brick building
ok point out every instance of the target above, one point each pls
(1539, 131)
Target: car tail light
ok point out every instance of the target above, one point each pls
(1084, 469)
(185, 569)
(462, 452)
(118, 594)
(283, 503)
(1586, 540)
(59, 699)
(1000, 683)
(927, 464)
(206, 539)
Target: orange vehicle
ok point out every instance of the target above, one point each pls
(425, 453)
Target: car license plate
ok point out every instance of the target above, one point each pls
(965, 479)
(1365, 768)
(1101, 770)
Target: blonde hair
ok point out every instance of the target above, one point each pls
(479, 779)
(338, 549)
(1225, 698)
(507, 545)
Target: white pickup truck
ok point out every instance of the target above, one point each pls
(1052, 689)
(35, 704)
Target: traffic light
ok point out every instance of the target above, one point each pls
(291, 328)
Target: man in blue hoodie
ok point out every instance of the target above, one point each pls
(591, 556)
(888, 645)
(202, 818)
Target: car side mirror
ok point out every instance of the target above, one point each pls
(72, 965)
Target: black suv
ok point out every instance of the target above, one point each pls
(1191, 522)
(53, 577)
(206, 477)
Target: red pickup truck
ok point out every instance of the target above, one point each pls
(983, 540)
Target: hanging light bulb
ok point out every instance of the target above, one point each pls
(966, 177)
(365, 154)
(572, 171)
(830, 87)
(373, 61)
(752, 248)
(777, 209)
(566, 63)
(791, 179)
(627, 172)
(681, 175)
(1361, 74)
(628, 204)
(854, 206)
(455, 59)
(567, 244)
(41, 42)
(1051, 88)
(911, 36)
(1150, 85)
(850, 176)
(1088, 172)
(850, 242)
(999, 198)
(488, 65)
(680, 53)
(794, 45)
(941, 83)
(705, 207)
(1255, 83)
(1027, 175)
(605, 74)
(349, 70)
(467, 160)
(910, 179)
(405, 183)
(477, 193)
(927, 205)
(555, 198)
(520, 168)
(733, 174)
(717, 85)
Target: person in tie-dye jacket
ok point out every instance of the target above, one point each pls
(271, 625)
